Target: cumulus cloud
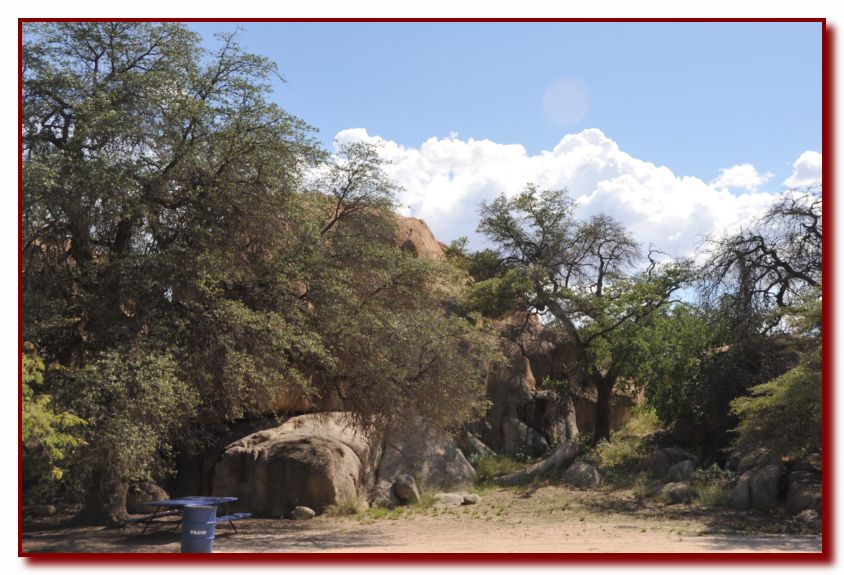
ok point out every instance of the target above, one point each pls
(445, 180)
(806, 171)
(741, 176)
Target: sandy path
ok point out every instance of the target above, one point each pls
(546, 520)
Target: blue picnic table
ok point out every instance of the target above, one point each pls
(171, 507)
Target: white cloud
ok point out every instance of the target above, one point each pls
(741, 176)
(445, 180)
(807, 171)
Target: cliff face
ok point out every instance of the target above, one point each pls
(525, 417)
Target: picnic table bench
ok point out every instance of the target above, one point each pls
(175, 507)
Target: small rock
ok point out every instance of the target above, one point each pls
(448, 499)
(682, 471)
(581, 474)
(302, 512)
(676, 493)
(405, 488)
(471, 499)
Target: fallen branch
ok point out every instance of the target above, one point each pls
(561, 457)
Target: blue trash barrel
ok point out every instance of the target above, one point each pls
(198, 523)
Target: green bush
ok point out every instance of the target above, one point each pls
(713, 495)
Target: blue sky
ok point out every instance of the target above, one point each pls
(694, 98)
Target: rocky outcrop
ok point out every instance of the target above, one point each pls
(319, 460)
(413, 235)
(430, 456)
(312, 460)
(525, 418)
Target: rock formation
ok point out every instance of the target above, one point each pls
(312, 460)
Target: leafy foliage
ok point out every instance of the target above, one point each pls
(135, 404)
(183, 272)
(47, 435)
(784, 414)
(579, 274)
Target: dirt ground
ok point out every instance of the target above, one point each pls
(547, 519)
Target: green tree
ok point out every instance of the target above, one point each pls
(172, 244)
(579, 273)
(135, 405)
(47, 435)
(784, 414)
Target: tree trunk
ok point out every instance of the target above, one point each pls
(570, 417)
(560, 458)
(105, 501)
(604, 387)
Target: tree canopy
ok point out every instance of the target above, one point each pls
(185, 239)
(581, 273)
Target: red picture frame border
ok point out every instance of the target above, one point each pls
(826, 556)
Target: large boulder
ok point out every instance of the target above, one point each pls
(765, 485)
(581, 474)
(681, 471)
(758, 487)
(143, 492)
(657, 463)
(430, 455)
(315, 460)
(740, 495)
